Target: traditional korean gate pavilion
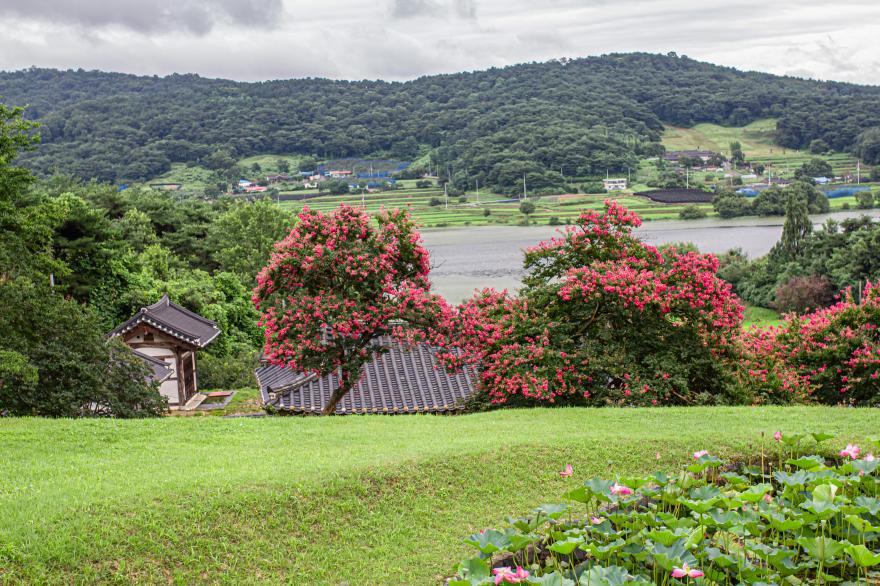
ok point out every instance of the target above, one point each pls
(172, 334)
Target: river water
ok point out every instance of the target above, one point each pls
(473, 257)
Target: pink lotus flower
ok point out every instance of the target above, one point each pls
(869, 458)
(596, 520)
(567, 472)
(852, 451)
(621, 490)
(768, 499)
(778, 436)
(700, 454)
(507, 575)
(684, 571)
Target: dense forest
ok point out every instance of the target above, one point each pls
(548, 120)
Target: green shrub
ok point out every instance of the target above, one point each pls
(692, 212)
(435, 201)
(79, 373)
(234, 371)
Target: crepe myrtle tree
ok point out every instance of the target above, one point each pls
(336, 285)
(606, 319)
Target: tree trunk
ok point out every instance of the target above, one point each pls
(346, 383)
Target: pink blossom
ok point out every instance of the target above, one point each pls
(852, 451)
(567, 472)
(596, 520)
(505, 574)
(700, 454)
(869, 458)
(685, 571)
(778, 436)
(768, 499)
(621, 490)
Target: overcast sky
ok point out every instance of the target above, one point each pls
(402, 39)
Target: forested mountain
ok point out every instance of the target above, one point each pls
(566, 117)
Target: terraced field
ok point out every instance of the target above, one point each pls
(501, 209)
(758, 143)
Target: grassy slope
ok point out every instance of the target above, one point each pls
(758, 144)
(363, 500)
(760, 317)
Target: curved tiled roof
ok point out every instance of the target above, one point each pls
(172, 319)
(405, 379)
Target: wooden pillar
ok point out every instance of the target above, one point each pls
(194, 373)
(181, 383)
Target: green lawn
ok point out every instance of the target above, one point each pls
(356, 500)
(760, 317)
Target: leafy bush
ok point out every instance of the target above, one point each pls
(603, 318)
(233, 371)
(424, 183)
(800, 294)
(784, 519)
(831, 355)
(865, 200)
(79, 373)
(435, 201)
(692, 212)
(729, 204)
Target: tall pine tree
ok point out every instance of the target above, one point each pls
(796, 230)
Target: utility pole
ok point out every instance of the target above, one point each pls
(446, 193)
(687, 177)
(525, 193)
(364, 198)
(858, 172)
(478, 190)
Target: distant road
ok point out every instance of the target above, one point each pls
(470, 258)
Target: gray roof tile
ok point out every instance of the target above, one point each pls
(174, 320)
(405, 379)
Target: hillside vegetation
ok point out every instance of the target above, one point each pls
(357, 500)
(550, 121)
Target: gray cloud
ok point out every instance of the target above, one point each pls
(466, 9)
(147, 16)
(402, 39)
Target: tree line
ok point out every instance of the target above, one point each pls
(546, 121)
(80, 257)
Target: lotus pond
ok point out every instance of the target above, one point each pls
(784, 518)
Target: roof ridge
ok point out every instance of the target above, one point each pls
(188, 312)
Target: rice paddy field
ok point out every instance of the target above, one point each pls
(351, 500)
(501, 209)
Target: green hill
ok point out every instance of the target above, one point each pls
(550, 121)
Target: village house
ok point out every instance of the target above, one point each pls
(405, 379)
(167, 336)
(339, 174)
(280, 178)
(614, 184)
(675, 156)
